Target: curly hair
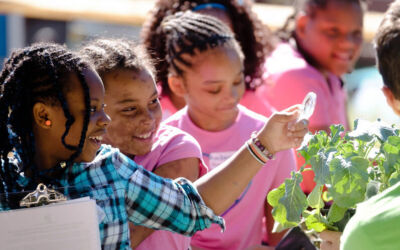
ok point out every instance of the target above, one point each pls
(36, 73)
(253, 36)
(108, 54)
(310, 7)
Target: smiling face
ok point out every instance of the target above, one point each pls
(133, 105)
(332, 36)
(97, 125)
(214, 85)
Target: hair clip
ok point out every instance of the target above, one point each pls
(42, 196)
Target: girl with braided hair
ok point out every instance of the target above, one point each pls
(51, 126)
(321, 42)
(253, 36)
(206, 69)
(133, 105)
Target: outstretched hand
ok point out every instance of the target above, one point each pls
(283, 130)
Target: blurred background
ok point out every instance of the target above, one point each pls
(26, 21)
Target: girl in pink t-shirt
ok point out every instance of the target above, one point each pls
(206, 69)
(253, 36)
(132, 103)
(324, 44)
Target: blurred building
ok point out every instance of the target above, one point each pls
(25, 21)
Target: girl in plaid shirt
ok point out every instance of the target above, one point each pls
(52, 121)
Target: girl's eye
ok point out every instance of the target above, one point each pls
(238, 82)
(215, 91)
(93, 109)
(331, 33)
(129, 109)
(155, 101)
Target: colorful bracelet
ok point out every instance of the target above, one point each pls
(261, 148)
(249, 147)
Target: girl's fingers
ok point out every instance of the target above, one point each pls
(298, 125)
(293, 108)
(298, 133)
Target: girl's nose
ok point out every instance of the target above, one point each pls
(351, 40)
(147, 117)
(233, 94)
(104, 120)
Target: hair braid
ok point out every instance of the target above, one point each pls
(31, 74)
(187, 31)
(255, 39)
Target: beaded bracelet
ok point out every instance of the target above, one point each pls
(249, 147)
(258, 149)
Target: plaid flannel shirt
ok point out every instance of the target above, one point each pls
(126, 191)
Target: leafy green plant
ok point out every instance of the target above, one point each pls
(352, 166)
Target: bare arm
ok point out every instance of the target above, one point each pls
(188, 168)
(221, 186)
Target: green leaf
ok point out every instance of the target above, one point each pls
(320, 166)
(372, 189)
(314, 220)
(349, 178)
(315, 197)
(394, 178)
(279, 211)
(366, 131)
(335, 213)
(391, 151)
(275, 195)
(294, 200)
(336, 130)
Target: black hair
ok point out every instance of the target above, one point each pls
(255, 38)
(310, 7)
(108, 55)
(36, 73)
(186, 32)
(387, 40)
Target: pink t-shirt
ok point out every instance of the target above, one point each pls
(170, 144)
(287, 80)
(250, 100)
(244, 219)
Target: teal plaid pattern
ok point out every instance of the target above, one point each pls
(127, 192)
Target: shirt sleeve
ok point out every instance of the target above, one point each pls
(161, 203)
(181, 145)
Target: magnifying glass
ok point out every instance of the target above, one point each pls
(308, 106)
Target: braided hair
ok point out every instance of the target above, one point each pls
(310, 7)
(35, 73)
(189, 32)
(108, 55)
(253, 36)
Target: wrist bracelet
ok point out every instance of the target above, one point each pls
(254, 154)
(261, 148)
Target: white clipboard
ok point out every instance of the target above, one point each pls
(62, 224)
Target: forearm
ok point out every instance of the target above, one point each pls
(221, 186)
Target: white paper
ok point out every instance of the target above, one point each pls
(68, 225)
